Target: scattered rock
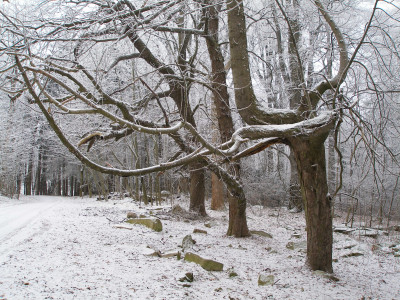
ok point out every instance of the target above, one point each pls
(149, 251)
(367, 232)
(208, 225)
(353, 254)
(131, 215)
(290, 245)
(177, 209)
(154, 224)
(326, 275)
(188, 242)
(264, 279)
(232, 274)
(349, 246)
(156, 253)
(170, 254)
(206, 264)
(187, 278)
(261, 233)
(296, 235)
(155, 209)
(297, 246)
(343, 229)
(122, 227)
(196, 230)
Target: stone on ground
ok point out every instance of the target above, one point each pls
(264, 279)
(154, 224)
(206, 264)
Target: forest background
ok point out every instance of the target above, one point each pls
(157, 97)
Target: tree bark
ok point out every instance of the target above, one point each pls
(331, 163)
(237, 200)
(217, 193)
(197, 188)
(38, 172)
(71, 186)
(295, 198)
(58, 183)
(237, 211)
(28, 176)
(18, 185)
(310, 158)
(295, 99)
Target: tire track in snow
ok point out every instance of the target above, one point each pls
(16, 221)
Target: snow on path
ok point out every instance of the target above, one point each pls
(16, 217)
(69, 248)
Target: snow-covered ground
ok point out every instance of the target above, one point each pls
(72, 248)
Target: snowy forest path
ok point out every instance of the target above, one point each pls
(17, 218)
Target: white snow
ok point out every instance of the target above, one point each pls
(69, 248)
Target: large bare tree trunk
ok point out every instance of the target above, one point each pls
(294, 89)
(310, 158)
(217, 185)
(217, 193)
(237, 208)
(237, 200)
(197, 188)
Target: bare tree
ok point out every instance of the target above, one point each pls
(73, 53)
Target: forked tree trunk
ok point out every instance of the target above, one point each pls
(236, 197)
(310, 158)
